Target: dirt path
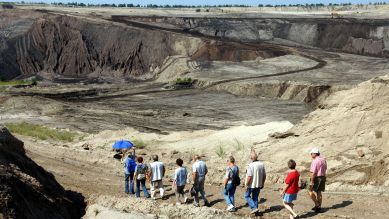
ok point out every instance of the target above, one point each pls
(93, 180)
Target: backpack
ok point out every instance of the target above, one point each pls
(235, 178)
(141, 171)
(131, 165)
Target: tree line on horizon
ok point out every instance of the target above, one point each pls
(124, 5)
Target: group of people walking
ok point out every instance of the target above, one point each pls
(136, 172)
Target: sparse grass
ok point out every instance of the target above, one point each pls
(220, 150)
(31, 81)
(41, 132)
(139, 143)
(239, 145)
(183, 81)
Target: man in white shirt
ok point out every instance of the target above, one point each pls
(255, 180)
(156, 174)
(199, 170)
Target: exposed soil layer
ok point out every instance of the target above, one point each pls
(27, 190)
(367, 37)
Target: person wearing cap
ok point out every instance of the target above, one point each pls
(318, 178)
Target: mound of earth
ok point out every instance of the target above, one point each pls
(27, 190)
(114, 207)
(351, 130)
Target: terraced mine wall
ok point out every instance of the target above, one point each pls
(365, 37)
(72, 47)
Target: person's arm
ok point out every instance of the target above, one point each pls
(226, 178)
(283, 191)
(149, 174)
(136, 170)
(286, 186)
(163, 170)
(264, 178)
(206, 170)
(175, 178)
(194, 173)
(248, 181)
(312, 175)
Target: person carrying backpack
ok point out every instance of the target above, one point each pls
(231, 181)
(140, 177)
(129, 170)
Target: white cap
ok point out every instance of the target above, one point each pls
(315, 151)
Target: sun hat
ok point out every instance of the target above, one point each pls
(315, 151)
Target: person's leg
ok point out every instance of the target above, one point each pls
(161, 190)
(289, 207)
(132, 183)
(255, 196)
(202, 192)
(126, 178)
(152, 190)
(177, 192)
(248, 198)
(144, 188)
(196, 196)
(137, 188)
(232, 195)
(312, 195)
(319, 199)
(226, 194)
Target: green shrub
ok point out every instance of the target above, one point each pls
(139, 143)
(184, 81)
(41, 132)
(220, 150)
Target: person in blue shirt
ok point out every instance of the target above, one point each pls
(129, 170)
(180, 177)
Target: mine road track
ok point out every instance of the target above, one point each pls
(260, 45)
(92, 96)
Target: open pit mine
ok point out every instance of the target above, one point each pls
(179, 83)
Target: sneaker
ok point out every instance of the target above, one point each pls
(196, 204)
(185, 199)
(230, 207)
(254, 211)
(178, 203)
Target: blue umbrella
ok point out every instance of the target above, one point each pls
(123, 144)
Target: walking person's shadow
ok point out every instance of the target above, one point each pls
(323, 210)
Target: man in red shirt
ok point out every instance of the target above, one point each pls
(289, 193)
(318, 178)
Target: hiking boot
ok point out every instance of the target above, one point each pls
(206, 203)
(196, 204)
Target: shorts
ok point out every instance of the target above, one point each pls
(319, 184)
(289, 198)
(156, 185)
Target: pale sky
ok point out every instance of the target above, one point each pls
(205, 2)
